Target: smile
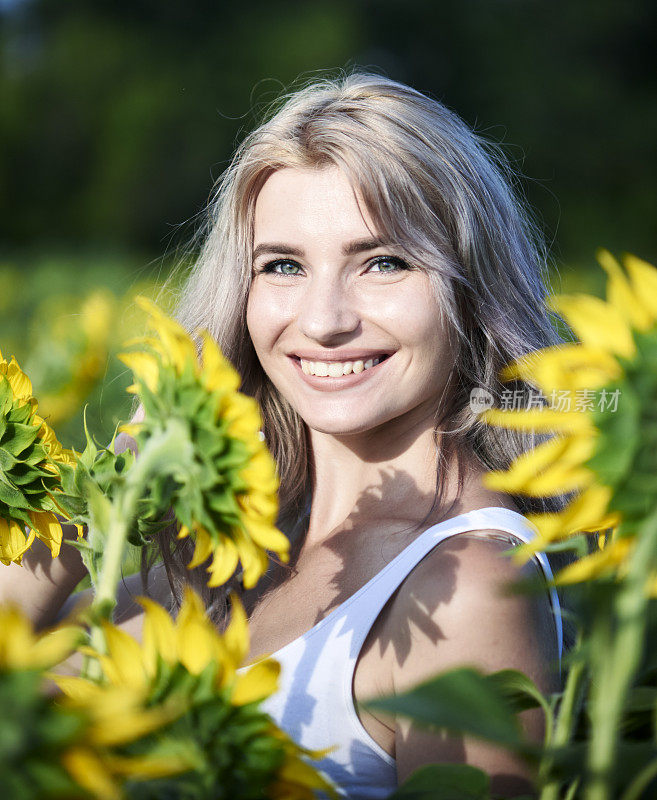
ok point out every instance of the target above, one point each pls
(331, 376)
(336, 369)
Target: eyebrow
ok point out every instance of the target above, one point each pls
(350, 249)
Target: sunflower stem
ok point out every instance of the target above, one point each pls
(563, 730)
(616, 647)
(160, 449)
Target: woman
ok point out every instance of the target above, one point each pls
(366, 268)
(373, 250)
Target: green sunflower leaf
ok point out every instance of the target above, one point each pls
(445, 782)
(461, 700)
(17, 437)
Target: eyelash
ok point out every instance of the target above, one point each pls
(400, 264)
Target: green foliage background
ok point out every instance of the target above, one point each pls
(117, 117)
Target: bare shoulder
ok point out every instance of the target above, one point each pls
(457, 603)
(453, 610)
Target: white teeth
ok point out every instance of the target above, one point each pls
(336, 369)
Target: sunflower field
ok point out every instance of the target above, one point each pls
(177, 714)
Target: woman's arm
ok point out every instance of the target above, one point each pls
(41, 585)
(460, 616)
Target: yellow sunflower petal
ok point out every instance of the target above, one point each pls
(298, 773)
(256, 683)
(541, 420)
(243, 416)
(572, 366)
(224, 562)
(218, 374)
(77, 689)
(178, 346)
(260, 472)
(131, 724)
(54, 646)
(586, 513)
(48, 528)
(16, 639)
(644, 282)
(159, 639)
(88, 770)
(267, 536)
(66, 456)
(202, 549)
(21, 385)
(145, 366)
(197, 640)
(144, 767)
(236, 636)
(259, 505)
(622, 295)
(551, 468)
(131, 429)
(254, 559)
(596, 322)
(13, 541)
(123, 664)
(595, 564)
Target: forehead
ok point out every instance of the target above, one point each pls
(304, 202)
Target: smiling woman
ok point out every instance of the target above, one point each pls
(367, 268)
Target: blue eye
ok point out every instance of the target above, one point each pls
(394, 263)
(272, 266)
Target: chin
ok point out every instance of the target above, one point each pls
(336, 429)
(345, 425)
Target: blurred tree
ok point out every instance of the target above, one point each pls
(116, 117)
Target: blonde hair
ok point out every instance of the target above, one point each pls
(432, 186)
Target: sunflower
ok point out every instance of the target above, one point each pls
(30, 457)
(233, 748)
(228, 501)
(49, 748)
(604, 449)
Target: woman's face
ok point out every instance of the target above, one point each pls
(348, 333)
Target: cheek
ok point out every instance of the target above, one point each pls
(428, 334)
(258, 319)
(266, 318)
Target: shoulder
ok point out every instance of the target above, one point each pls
(454, 610)
(457, 609)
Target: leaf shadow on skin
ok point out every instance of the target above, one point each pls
(323, 575)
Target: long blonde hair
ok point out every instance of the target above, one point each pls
(431, 185)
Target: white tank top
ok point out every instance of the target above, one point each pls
(314, 703)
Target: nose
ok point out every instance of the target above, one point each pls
(327, 309)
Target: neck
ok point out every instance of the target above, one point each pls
(387, 473)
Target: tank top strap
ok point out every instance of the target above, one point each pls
(368, 603)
